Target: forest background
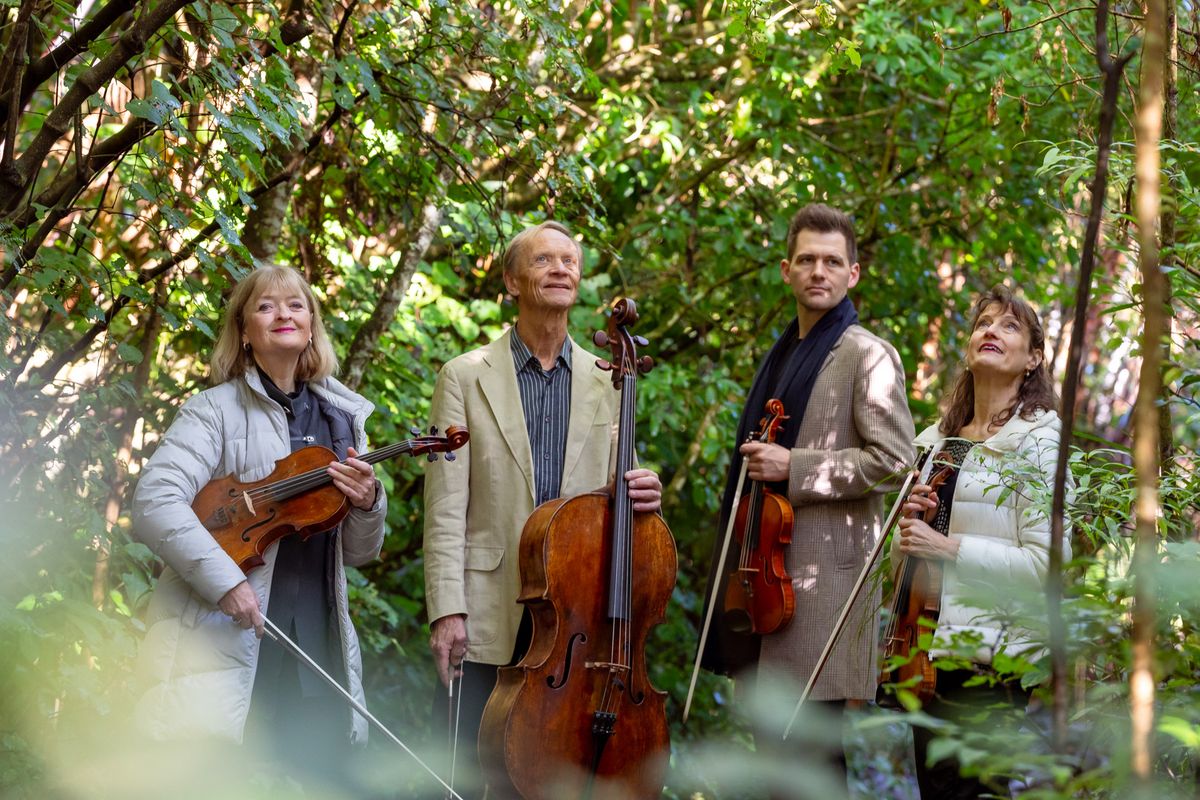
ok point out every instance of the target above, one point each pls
(152, 149)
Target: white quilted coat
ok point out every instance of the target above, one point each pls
(1004, 541)
(197, 664)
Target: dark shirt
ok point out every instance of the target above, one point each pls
(957, 450)
(546, 403)
(301, 600)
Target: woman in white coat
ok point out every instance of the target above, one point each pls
(209, 672)
(990, 531)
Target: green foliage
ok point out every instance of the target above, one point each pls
(676, 139)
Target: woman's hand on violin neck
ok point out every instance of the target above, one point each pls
(241, 604)
(922, 500)
(645, 489)
(355, 479)
(920, 540)
(767, 462)
(448, 641)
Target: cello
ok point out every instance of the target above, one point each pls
(578, 716)
(758, 596)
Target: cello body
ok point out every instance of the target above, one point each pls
(577, 718)
(540, 717)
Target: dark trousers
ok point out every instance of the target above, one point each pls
(303, 735)
(979, 707)
(466, 708)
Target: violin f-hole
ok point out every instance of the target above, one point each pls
(246, 532)
(559, 683)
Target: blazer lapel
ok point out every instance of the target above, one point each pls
(498, 381)
(587, 387)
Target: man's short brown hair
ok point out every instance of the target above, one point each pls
(823, 219)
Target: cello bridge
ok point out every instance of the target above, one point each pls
(607, 666)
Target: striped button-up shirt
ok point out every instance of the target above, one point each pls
(546, 401)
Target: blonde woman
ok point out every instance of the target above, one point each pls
(209, 671)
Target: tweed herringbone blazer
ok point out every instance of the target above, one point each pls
(476, 505)
(854, 444)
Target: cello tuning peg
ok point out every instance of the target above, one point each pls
(641, 341)
(600, 338)
(604, 365)
(645, 363)
(432, 456)
(450, 456)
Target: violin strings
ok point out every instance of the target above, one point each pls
(289, 487)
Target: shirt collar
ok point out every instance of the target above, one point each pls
(522, 354)
(278, 395)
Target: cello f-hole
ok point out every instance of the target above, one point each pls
(566, 673)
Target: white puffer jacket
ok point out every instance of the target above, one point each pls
(999, 517)
(197, 664)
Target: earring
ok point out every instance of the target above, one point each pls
(246, 347)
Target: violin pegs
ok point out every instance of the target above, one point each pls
(641, 341)
(432, 456)
(600, 338)
(604, 365)
(414, 430)
(450, 456)
(433, 430)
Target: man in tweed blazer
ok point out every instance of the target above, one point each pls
(848, 440)
(542, 418)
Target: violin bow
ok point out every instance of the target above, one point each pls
(737, 498)
(272, 630)
(453, 713)
(840, 625)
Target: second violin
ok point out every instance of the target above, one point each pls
(759, 597)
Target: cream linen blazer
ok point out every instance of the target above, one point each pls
(476, 506)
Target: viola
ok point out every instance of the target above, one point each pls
(758, 595)
(578, 715)
(297, 498)
(916, 605)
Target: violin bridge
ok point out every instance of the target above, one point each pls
(249, 503)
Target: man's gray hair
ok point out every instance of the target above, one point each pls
(516, 248)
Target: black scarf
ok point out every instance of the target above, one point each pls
(789, 373)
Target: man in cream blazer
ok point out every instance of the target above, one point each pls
(542, 419)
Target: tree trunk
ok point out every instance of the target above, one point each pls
(1111, 69)
(366, 341)
(118, 482)
(1146, 413)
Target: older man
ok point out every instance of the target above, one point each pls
(542, 419)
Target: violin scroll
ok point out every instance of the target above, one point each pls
(433, 444)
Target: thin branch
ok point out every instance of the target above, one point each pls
(1037, 24)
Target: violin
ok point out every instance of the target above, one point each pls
(758, 596)
(298, 497)
(916, 605)
(578, 715)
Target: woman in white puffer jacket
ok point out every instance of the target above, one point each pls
(990, 529)
(208, 673)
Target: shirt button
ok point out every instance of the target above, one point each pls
(546, 456)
